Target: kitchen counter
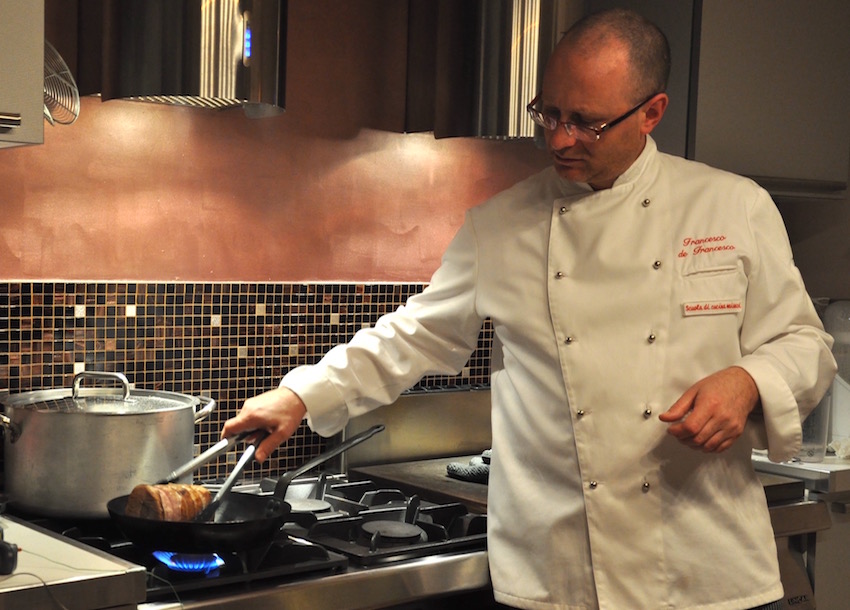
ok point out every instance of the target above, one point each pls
(429, 480)
(831, 476)
(53, 569)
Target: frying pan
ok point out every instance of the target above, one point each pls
(241, 522)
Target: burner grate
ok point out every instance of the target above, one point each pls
(447, 528)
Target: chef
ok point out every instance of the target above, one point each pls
(650, 328)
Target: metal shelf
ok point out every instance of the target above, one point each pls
(831, 476)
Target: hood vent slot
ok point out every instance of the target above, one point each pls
(204, 53)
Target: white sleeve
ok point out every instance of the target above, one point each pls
(784, 346)
(433, 333)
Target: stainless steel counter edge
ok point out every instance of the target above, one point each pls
(121, 585)
(831, 476)
(355, 589)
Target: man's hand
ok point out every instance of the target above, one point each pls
(712, 413)
(279, 412)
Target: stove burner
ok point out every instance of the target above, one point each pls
(189, 562)
(432, 529)
(380, 497)
(384, 534)
(309, 505)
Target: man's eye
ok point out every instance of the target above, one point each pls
(552, 116)
(580, 122)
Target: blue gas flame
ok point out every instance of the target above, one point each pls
(189, 562)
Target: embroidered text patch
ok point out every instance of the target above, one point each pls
(703, 308)
(696, 246)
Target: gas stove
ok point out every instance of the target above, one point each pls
(374, 525)
(338, 532)
(371, 524)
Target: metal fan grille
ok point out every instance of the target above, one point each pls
(61, 96)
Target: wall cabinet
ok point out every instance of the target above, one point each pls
(675, 18)
(759, 88)
(22, 71)
(772, 90)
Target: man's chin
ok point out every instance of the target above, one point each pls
(573, 174)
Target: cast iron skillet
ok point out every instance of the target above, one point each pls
(242, 521)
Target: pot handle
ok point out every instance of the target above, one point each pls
(13, 429)
(103, 376)
(204, 412)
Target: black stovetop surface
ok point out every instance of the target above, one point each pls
(309, 544)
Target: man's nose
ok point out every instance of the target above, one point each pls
(561, 138)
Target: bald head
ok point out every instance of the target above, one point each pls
(628, 35)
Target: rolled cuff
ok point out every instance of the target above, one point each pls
(781, 430)
(326, 411)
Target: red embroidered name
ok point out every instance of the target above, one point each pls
(704, 245)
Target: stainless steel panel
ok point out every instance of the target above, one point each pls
(422, 426)
(799, 518)
(357, 589)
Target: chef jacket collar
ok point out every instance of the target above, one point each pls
(626, 178)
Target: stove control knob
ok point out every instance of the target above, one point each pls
(8, 557)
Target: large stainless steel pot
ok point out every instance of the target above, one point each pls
(69, 451)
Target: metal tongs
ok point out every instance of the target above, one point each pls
(210, 454)
(207, 456)
(243, 461)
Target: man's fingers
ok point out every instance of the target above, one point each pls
(679, 409)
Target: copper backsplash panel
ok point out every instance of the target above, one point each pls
(225, 340)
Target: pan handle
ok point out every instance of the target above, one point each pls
(284, 481)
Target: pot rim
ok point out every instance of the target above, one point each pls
(100, 401)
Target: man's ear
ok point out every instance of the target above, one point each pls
(653, 113)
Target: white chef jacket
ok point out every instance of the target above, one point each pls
(606, 306)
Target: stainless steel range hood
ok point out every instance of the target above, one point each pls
(474, 65)
(206, 53)
(515, 39)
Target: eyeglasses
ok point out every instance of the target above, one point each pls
(585, 133)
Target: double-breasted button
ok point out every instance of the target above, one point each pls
(645, 203)
(563, 210)
(569, 340)
(647, 412)
(651, 338)
(645, 487)
(656, 265)
(593, 484)
(580, 413)
(559, 275)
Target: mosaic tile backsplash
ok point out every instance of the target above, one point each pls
(229, 341)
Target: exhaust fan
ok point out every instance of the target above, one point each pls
(61, 96)
(207, 53)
